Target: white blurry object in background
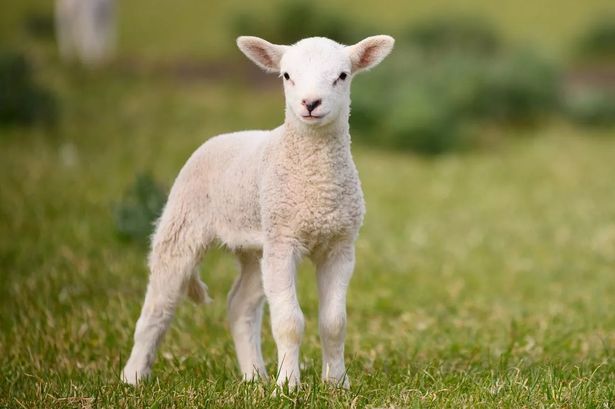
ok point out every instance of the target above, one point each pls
(86, 30)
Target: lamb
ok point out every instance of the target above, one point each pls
(272, 198)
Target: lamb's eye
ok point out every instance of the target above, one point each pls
(343, 76)
(286, 76)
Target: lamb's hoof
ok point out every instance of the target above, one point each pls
(282, 388)
(255, 376)
(286, 384)
(133, 375)
(341, 382)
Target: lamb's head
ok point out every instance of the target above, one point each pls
(317, 72)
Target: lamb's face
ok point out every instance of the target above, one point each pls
(317, 72)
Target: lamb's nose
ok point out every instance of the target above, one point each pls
(311, 105)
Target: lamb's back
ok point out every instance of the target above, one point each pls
(220, 182)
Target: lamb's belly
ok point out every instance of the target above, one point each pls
(239, 226)
(241, 239)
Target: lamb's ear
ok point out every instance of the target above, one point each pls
(369, 52)
(263, 53)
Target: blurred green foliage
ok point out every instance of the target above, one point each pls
(23, 100)
(139, 208)
(294, 20)
(40, 25)
(598, 41)
(460, 33)
(429, 95)
(591, 106)
(589, 97)
(519, 87)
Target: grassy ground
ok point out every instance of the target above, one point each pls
(483, 279)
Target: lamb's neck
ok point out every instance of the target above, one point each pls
(329, 143)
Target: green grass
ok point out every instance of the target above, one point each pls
(483, 279)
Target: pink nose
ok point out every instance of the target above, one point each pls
(311, 105)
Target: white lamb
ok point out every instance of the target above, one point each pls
(271, 197)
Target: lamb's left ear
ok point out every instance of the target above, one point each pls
(263, 53)
(369, 52)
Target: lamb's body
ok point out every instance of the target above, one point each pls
(220, 185)
(272, 197)
(248, 187)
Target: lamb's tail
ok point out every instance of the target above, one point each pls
(197, 290)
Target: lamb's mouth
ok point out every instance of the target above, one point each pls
(312, 117)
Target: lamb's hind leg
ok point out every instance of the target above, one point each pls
(173, 259)
(245, 313)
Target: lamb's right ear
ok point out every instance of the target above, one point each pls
(263, 53)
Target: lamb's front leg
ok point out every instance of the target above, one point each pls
(279, 266)
(334, 271)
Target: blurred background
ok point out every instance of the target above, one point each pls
(485, 144)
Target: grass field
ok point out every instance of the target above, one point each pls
(483, 279)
